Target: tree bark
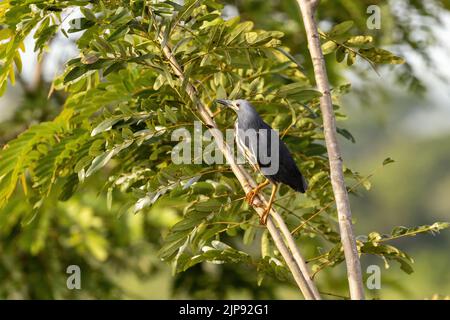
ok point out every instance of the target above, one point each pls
(308, 8)
(288, 249)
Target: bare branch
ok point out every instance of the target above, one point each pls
(308, 8)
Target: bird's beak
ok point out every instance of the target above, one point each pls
(226, 103)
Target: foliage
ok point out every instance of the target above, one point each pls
(34, 261)
(398, 30)
(124, 101)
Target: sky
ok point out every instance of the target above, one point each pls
(436, 117)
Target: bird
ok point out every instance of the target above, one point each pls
(277, 168)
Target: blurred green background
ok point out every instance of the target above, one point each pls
(402, 113)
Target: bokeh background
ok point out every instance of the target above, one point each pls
(401, 112)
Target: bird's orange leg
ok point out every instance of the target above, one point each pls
(265, 215)
(250, 196)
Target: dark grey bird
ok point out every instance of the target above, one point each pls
(265, 151)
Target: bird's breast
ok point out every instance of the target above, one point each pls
(250, 153)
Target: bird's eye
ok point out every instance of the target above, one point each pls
(238, 105)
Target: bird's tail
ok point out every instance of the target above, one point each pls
(303, 184)
(299, 184)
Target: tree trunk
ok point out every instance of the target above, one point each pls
(308, 8)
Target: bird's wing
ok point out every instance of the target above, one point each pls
(288, 172)
(265, 136)
(247, 145)
(280, 169)
(250, 139)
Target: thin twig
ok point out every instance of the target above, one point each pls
(360, 182)
(335, 295)
(374, 67)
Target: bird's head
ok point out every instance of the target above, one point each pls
(240, 106)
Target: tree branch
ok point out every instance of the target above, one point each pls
(289, 250)
(307, 8)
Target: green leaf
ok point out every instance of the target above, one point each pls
(367, 184)
(317, 177)
(44, 36)
(20, 153)
(204, 188)
(388, 161)
(190, 221)
(351, 58)
(238, 30)
(100, 161)
(212, 205)
(341, 28)
(290, 57)
(359, 41)
(346, 134)
(5, 34)
(249, 235)
(69, 188)
(118, 33)
(236, 91)
(172, 246)
(405, 266)
(80, 24)
(114, 68)
(105, 125)
(381, 56)
(340, 54)
(251, 37)
(329, 47)
(75, 73)
(295, 89)
(398, 231)
(88, 14)
(171, 115)
(305, 95)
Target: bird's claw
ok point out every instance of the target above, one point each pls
(250, 197)
(263, 217)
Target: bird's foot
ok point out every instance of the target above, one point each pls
(250, 196)
(264, 216)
